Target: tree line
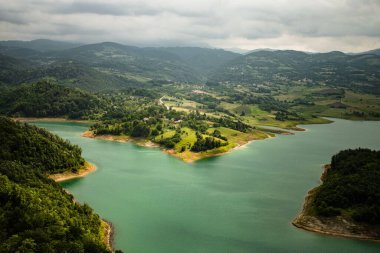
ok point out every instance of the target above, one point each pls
(36, 214)
(351, 187)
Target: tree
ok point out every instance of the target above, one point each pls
(140, 130)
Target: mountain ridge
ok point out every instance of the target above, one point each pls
(111, 65)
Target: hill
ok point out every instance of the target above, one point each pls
(286, 67)
(109, 65)
(13, 70)
(45, 99)
(130, 62)
(348, 201)
(203, 60)
(374, 51)
(41, 45)
(68, 72)
(37, 215)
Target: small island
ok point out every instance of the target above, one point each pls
(347, 203)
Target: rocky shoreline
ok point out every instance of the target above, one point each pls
(108, 234)
(334, 226)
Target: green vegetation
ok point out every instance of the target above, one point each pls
(168, 95)
(105, 66)
(37, 147)
(351, 187)
(203, 144)
(37, 215)
(193, 102)
(45, 99)
(289, 67)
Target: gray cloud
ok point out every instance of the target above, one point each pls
(320, 25)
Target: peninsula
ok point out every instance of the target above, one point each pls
(347, 203)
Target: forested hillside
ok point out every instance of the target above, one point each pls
(203, 60)
(359, 72)
(108, 65)
(351, 187)
(35, 146)
(36, 214)
(348, 201)
(45, 99)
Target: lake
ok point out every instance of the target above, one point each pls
(243, 201)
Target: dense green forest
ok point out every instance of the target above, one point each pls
(351, 187)
(37, 147)
(45, 99)
(36, 214)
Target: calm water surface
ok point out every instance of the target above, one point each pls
(240, 202)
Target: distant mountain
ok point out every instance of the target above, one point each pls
(282, 67)
(184, 64)
(374, 51)
(260, 49)
(19, 52)
(141, 64)
(41, 45)
(110, 65)
(203, 60)
(70, 73)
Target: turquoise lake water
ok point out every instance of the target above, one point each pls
(243, 201)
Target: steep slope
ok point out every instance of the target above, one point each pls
(37, 215)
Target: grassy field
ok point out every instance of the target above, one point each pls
(188, 138)
(305, 105)
(358, 106)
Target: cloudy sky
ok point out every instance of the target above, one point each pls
(317, 25)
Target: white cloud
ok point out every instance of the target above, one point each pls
(320, 25)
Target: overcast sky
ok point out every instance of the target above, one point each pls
(309, 25)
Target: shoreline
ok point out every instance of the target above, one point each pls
(123, 139)
(51, 119)
(149, 144)
(200, 156)
(332, 226)
(108, 230)
(84, 171)
(108, 234)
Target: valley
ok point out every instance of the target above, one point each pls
(191, 103)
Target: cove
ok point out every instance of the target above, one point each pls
(243, 201)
